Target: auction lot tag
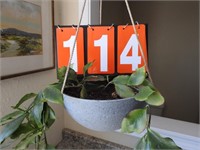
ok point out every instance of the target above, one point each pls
(101, 49)
(65, 41)
(129, 57)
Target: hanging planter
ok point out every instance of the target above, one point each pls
(129, 92)
(136, 91)
(100, 115)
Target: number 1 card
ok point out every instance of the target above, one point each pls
(65, 42)
(101, 50)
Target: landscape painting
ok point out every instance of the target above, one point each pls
(21, 29)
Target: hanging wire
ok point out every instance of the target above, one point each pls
(100, 11)
(73, 48)
(140, 47)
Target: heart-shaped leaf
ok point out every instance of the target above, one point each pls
(155, 99)
(11, 127)
(53, 95)
(152, 140)
(121, 79)
(137, 77)
(135, 121)
(144, 93)
(124, 91)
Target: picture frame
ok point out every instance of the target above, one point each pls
(30, 46)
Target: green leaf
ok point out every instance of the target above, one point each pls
(144, 93)
(95, 78)
(72, 76)
(38, 99)
(61, 73)
(24, 143)
(23, 129)
(152, 140)
(124, 91)
(11, 127)
(137, 77)
(49, 116)
(53, 95)
(10, 116)
(37, 114)
(86, 67)
(135, 121)
(121, 79)
(83, 93)
(57, 85)
(155, 99)
(24, 98)
(148, 83)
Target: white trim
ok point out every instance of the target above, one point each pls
(91, 12)
(185, 134)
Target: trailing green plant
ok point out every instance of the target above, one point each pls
(29, 125)
(84, 83)
(141, 89)
(137, 86)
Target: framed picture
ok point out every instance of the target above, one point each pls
(26, 37)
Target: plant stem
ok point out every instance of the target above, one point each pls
(107, 85)
(149, 119)
(38, 142)
(45, 139)
(35, 142)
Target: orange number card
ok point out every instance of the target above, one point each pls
(129, 55)
(101, 50)
(65, 40)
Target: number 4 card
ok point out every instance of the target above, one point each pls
(128, 52)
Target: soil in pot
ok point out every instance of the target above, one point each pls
(100, 93)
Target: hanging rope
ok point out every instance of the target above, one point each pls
(100, 11)
(73, 48)
(140, 47)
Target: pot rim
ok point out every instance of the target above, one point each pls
(98, 100)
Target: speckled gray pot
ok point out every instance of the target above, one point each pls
(99, 115)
